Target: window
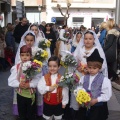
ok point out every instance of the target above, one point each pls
(78, 19)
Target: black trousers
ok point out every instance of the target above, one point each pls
(26, 109)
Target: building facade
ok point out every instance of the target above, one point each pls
(86, 12)
(32, 11)
(5, 9)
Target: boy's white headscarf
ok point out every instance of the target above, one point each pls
(22, 42)
(98, 46)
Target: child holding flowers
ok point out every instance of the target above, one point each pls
(55, 97)
(76, 41)
(98, 86)
(25, 83)
(29, 38)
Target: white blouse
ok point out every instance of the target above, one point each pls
(42, 88)
(106, 88)
(81, 57)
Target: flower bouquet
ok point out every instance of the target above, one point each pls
(30, 69)
(83, 67)
(70, 80)
(44, 44)
(68, 60)
(82, 97)
(41, 55)
(66, 35)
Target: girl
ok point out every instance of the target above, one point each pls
(55, 98)
(98, 86)
(85, 48)
(50, 35)
(25, 90)
(39, 34)
(76, 41)
(27, 39)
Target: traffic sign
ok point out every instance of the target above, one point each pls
(53, 19)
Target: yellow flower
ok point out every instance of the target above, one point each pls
(48, 43)
(38, 62)
(38, 69)
(82, 97)
(45, 54)
(62, 63)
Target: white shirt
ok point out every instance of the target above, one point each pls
(13, 80)
(106, 88)
(42, 88)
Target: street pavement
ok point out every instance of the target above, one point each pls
(6, 94)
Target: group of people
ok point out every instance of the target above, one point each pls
(41, 96)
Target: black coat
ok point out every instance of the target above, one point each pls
(19, 31)
(110, 47)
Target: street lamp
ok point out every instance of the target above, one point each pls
(39, 8)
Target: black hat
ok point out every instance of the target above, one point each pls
(95, 57)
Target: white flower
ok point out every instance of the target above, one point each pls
(71, 74)
(62, 77)
(35, 50)
(26, 65)
(24, 68)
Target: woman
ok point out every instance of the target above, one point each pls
(61, 43)
(50, 35)
(110, 49)
(103, 33)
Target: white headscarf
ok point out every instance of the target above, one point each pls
(74, 42)
(22, 42)
(40, 34)
(80, 47)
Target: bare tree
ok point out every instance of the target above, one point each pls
(66, 15)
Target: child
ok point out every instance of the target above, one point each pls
(98, 86)
(55, 98)
(25, 90)
(27, 39)
(76, 41)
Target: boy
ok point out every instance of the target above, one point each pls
(55, 98)
(99, 88)
(25, 89)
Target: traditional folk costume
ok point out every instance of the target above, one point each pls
(75, 43)
(40, 36)
(54, 100)
(39, 97)
(81, 54)
(61, 44)
(99, 87)
(25, 97)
